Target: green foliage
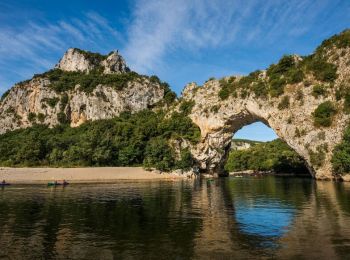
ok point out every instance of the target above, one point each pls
(62, 81)
(224, 93)
(260, 89)
(64, 101)
(270, 156)
(158, 154)
(186, 161)
(169, 95)
(32, 117)
(6, 93)
(322, 70)
(62, 118)
(226, 88)
(10, 110)
(186, 106)
(284, 103)
(284, 65)
(128, 140)
(341, 40)
(285, 71)
(324, 113)
(347, 103)
(92, 56)
(52, 102)
(319, 90)
(277, 87)
(41, 117)
(341, 155)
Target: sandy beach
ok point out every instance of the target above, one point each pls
(78, 175)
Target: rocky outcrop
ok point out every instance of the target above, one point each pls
(83, 61)
(218, 118)
(238, 144)
(36, 102)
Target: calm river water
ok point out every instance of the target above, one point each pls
(228, 218)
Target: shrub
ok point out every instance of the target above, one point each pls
(341, 40)
(6, 93)
(277, 87)
(169, 97)
(52, 102)
(41, 117)
(32, 117)
(324, 113)
(284, 103)
(62, 118)
(347, 103)
(295, 76)
(319, 90)
(224, 93)
(284, 64)
(186, 161)
(260, 89)
(341, 155)
(322, 70)
(64, 101)
(186, 106)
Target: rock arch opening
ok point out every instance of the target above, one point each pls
(256, 148)
(218, 129)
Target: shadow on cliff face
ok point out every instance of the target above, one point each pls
(261, 157)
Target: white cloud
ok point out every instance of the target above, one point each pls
(159, 27)
(34, 47)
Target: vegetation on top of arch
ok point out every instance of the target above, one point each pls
(290, 69)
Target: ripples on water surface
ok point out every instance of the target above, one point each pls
(237, 218)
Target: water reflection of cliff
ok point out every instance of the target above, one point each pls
(227, 218)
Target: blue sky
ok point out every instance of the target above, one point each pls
(179, 40)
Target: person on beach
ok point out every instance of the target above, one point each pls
(3, 182)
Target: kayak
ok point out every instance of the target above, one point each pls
(5, 184)
(57, 184)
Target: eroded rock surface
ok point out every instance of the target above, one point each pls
(219, 119)
(35, 101)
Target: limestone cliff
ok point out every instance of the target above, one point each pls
(80, 88)
(287, 97)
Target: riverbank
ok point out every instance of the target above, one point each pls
(80, 175)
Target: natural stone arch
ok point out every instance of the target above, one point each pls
(219, 119)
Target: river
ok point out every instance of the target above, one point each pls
(226, 218)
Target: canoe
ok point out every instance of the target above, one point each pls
(57, 184)
(5, 184)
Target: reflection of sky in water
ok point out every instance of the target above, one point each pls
(267, 219)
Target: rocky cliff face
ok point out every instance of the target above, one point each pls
(37, 102)
(238, 145)
(83, 61)
(291, 113)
